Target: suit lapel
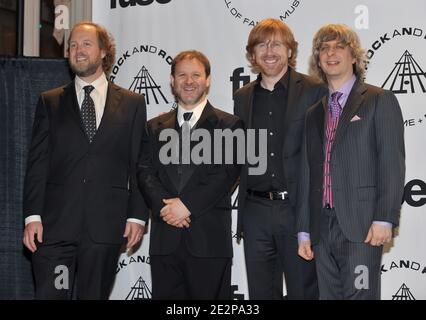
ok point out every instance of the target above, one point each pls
(207, 121)
(319, 117)
(69, 101)
(171, 169)
(354, 101)
(293, 97)
(112, 104)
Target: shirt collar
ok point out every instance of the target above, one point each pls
(196, 113)
(283, 81)
(100, 83)
(346, 87)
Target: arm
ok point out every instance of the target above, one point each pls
(137, 208)
(36, 176)
(147, 175)
(389, 126)
(302, 209)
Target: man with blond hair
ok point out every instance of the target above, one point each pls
(353, 168)
(276, 101)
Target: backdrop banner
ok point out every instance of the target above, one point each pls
(149, 33)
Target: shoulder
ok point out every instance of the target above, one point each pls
(371, 89)
(376, 93)
(56, 92)
(153, 122)
(245, 90)
(309, 82)
(125, 92)
(227, 119)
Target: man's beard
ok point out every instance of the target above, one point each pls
(85, 71)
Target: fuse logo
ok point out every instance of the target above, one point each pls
(132, 3)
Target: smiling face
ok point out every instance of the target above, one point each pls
(271, 56)
(190, 83)
(85, 55)
(336, 61)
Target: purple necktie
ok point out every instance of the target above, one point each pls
(334, 105)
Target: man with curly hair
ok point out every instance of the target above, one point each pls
(353, 168)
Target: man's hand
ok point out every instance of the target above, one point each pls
(378, 234)
(32, 229)
(185, 223)
(305, 250)
(175, 213)
(134, 233)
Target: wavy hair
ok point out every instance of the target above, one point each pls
(343, 34)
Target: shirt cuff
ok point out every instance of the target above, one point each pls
(383, 223)
(303, 236)
(141, 222)
(33, 218)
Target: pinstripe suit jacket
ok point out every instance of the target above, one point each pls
(367, 163)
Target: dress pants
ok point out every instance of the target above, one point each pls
(346, 270)
(270, 247)
(182, 276)
(58, 265)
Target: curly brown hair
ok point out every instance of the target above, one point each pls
(105, 41)
(264, 30)
(343, 34)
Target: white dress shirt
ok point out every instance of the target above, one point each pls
(196, 113)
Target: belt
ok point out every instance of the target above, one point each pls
(271, 195)
(328, 207)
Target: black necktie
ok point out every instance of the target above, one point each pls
(88, 114)
(182, 169)
(187, 116)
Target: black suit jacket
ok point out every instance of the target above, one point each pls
(367, 163)
(303, 93)
(75, 185)
(206, 192)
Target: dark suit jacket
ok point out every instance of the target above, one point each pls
(75, 185)
(303, 93)
(367, 163)
(206, 193)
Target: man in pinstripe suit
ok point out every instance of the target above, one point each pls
(353, 171)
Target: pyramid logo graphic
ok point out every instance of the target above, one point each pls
(403, 293)
(143, 83)
(406, 76)
(139, 291)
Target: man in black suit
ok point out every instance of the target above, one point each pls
(353, 170)
(80, 184)
(191, 240)
(275, 101)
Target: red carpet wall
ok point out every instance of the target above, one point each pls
(150, 32)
